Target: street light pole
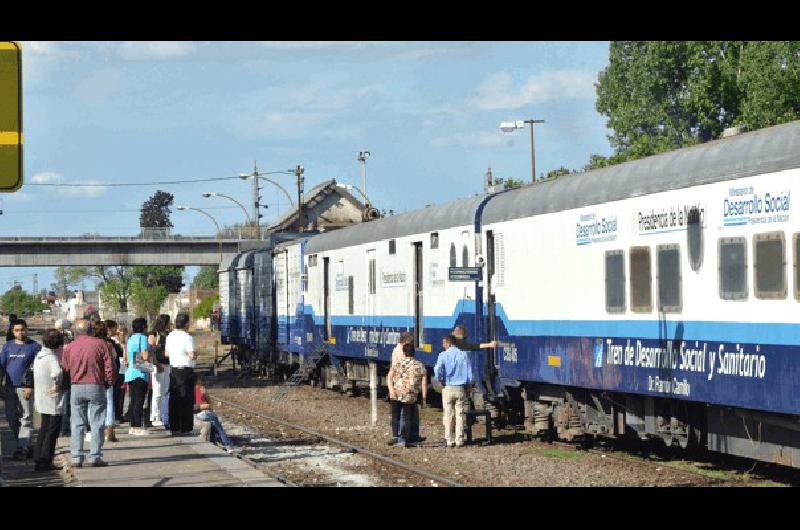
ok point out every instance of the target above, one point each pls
(217, 194)
(219, 232)
(520, 124)
(533, 149)
(298, 171)
(362, 157)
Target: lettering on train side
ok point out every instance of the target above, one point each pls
(685, 357)
(746, 205)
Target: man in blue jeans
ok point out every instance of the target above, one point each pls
(91, 370)
(16, 358)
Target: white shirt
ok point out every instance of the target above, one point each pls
(179, 344)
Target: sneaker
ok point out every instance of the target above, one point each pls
(157, 423)
(142, 432)
(98, 463)
(231, 450)
(133, 430)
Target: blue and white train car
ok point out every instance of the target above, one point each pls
(659, 297)
(369, 283)
(288, 267)
(225, 300)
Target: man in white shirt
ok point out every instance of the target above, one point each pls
(179, 348)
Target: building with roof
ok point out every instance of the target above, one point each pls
(326, 206)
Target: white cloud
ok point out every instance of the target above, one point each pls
(498, 90)
(47, 177)
(482, 139)
(52, 177)
(134, 50)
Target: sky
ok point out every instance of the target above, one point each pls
(428, 112)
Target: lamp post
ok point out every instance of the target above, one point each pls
(217, 194)
(362, 157)
(219, 232)
(511, 126)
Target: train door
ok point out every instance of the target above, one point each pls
(371, 288)
(418, 285)
(326, 297)
(491, 299)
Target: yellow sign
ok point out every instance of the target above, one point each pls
(554, 360)
(426, 348)
(10, 116)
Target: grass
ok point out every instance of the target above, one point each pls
(563, 454)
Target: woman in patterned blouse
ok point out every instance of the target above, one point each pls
(409, 376)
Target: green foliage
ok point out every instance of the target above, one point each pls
(555, 173)
(155, 211)
(206, 306)
(170, 277)
(19, 302)
(206, 278)
(147, 299)
(509, 183)
(663, 95)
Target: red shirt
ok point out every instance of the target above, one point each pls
(88, 361)
(200, 397)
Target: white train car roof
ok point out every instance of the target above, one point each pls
(430, 219)
(763, 151)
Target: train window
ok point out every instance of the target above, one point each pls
(304, 279)
(453, 255)
(641, 280)
(615, 281)
(669, 278)
(733, 268)
(769, 265)
(350, 296)
(312, 260)
(465, 256)
(797, 266)
(434, 240)
(392, 246)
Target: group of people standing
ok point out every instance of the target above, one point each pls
(81, 377)
(407, 381)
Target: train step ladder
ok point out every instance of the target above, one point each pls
(302, 373)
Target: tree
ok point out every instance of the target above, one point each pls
(155, 211)
(148, 299)
(19, 302)
(508, 183)
(664, 95)
(114, 283)
(206, 278)
(204, 308)
(169, 277)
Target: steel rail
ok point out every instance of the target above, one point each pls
(351, 447)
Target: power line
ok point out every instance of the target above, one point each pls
(121, 184)
(58, 212)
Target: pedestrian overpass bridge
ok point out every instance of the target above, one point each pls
(123, 251)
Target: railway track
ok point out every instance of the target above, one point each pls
(423, 477)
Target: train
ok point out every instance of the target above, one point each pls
(655, 299)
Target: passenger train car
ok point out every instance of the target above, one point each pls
(659, 298)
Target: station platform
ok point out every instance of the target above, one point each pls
(156, 460)
(160, 460)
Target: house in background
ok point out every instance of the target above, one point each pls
(326, 206)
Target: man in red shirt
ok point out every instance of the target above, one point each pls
(91, 371)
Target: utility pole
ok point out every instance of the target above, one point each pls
(298, 172)
(489, 180)
(256, 198)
